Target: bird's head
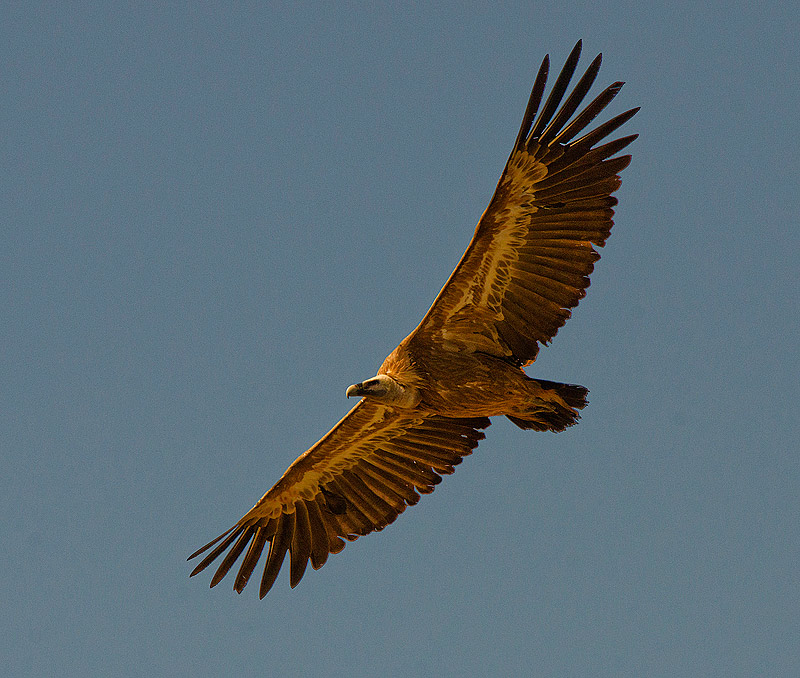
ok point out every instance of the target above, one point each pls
(386, 390)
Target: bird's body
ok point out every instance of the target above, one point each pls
(525, 268)
(488, 386)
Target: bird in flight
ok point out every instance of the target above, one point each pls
(527, 265)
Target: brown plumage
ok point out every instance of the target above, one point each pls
(528, 264)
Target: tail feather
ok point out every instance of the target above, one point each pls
(555, 408)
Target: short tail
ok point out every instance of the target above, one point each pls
(555, 407)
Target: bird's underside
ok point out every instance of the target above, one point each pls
(527, 265)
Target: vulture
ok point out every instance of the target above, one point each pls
(527, 265)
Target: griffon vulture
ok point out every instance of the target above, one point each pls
(528, 264)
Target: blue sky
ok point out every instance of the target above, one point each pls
(214, 219)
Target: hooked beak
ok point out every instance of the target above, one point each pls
(355, 390)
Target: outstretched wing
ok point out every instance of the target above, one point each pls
(357, 479)
(529, 261)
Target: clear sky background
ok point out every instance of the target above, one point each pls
(214, 219)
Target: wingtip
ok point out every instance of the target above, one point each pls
(575, 53)
(240, 582)
(623, 162)
(196, 553)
